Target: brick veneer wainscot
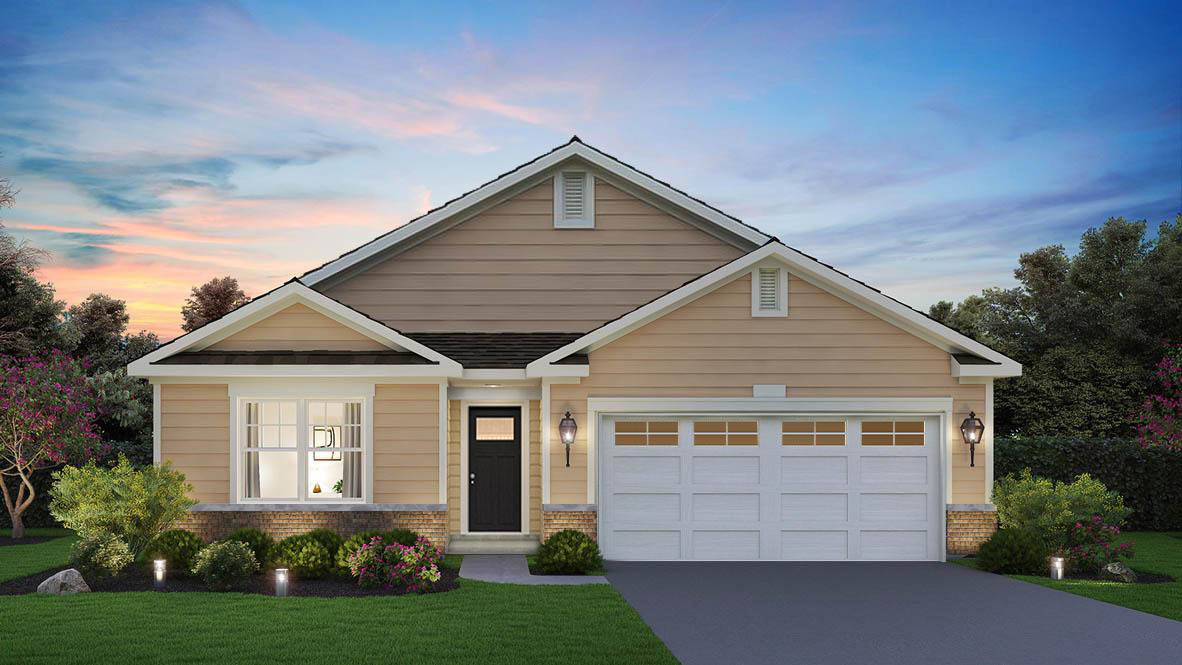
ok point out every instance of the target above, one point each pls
(213, 524)
(554, 521)
(967, 529)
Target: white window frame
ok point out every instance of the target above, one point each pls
(588, 219)
(302, 397)
(781, 291)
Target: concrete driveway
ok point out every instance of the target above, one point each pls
(881, 613)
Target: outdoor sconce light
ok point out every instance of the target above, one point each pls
(1057, 567)
(566, 431)
(158, 573)
(280, 581)
(971, 430)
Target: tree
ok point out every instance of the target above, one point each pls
(94, 330)
(212, 300)
(1161, 414)
(29, 319)
(46, 419)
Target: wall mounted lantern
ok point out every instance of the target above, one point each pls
(566, 431)
(280, 581)
(971, 429)
(158, 573)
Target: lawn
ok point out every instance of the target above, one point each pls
(480, 622)
(1156, 552)
(20, 560)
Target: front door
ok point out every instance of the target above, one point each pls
(494, 469)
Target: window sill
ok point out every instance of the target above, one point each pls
(319, 507)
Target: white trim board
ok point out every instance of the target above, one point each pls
(799, 266)
(573, 149)
(464, 406)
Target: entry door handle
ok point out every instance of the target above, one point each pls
(471, 478)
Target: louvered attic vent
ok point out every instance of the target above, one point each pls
(574, 200)
(769, 292)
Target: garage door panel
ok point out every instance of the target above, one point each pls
(814, 470)
(814, 507)
(707, 507)
(646, 545)
(647, 508)
(894, 507)
(646, 471)
(894, 470)
(894, 545)
(725, 545)
(814, 545)
(731, 470)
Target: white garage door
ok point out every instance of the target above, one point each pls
(778, 488)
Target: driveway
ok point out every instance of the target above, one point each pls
(881, 613)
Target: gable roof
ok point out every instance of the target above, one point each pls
(487, 192)
(154, 363)
(812, 270)
(498, 350)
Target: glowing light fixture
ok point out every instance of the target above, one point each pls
(158, 573)
(280, 581)
(1057, 565)
(971, 429)
(566, 431)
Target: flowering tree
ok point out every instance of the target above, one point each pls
(46, 419)
(1161, 414)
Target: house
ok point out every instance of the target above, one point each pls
(577, 344)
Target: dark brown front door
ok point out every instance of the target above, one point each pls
(494, 469)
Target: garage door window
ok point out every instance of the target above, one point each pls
(892, 432)
(812, 433)
(726, 433)
(646, 433)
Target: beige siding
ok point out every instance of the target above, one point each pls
(535, 467)
(297, 328)
(713, 347)
(509, 269)
(453, 465)
(195, 437)
(406, 443)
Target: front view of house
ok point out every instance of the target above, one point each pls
(578, 345)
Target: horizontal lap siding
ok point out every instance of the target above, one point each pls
(406, 443)
(713, 347)
(195, 437)
(297, 328)
(509, 269)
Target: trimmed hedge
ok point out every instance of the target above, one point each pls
(1149, 479)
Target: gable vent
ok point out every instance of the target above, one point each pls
(767, 295)
(574, 200)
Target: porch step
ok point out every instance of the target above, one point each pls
(492, 543)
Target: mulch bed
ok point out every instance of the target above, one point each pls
(141, 580)
(27, 540)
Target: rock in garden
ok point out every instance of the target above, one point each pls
(67, 581)
(1119, 572)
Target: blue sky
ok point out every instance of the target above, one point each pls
(919, 147)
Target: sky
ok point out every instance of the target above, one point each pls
(919, 147)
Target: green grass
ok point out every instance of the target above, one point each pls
(1156, 552)
(479, 622)
(20, 560)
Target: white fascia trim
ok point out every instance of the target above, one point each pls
(281, 298)
(156, 424)
(493, 189)
(432, 372)
(752, 405)
(801, 266)
(1001, 370)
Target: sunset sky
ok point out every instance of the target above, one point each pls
(919, 149)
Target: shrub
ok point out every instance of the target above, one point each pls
(569, 552)
(1149, 478)
(261, 544)
(354, 543)
(100, 556)
(1050, 508)
(134, 505)
(328, 538)
(1092, 546)
(380, 565)
(225, 564)
(401, 536)
(1013, 552)
(178, 546)
(304, 556)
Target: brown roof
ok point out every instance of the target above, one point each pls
(501, 350)
(295, 358)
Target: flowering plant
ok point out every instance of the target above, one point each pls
(1161, 414)
(1091, 545)
(414, 567)
(47, 412)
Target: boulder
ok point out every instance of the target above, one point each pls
(1118, 572)
(67, 581)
